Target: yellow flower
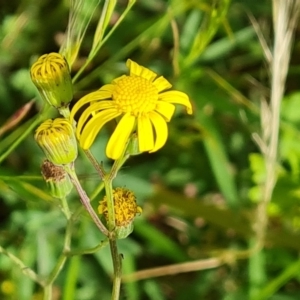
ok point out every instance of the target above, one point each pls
(142, 102)
(57, 139)
(125, 211)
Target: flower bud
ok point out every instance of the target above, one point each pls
(125, 211)
(51, 75)
(56, 138)
(56, 179)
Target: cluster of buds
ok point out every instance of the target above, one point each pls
(126, 209)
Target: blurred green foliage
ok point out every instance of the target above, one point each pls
(199, 193)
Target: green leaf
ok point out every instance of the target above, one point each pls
(159, 241)
(218, 159)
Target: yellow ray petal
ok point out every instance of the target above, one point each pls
(117, 141)
(94, 125)
(166, 109)
(107, 87)
(162, 84)
(145, 134)
(94, 96)
(136, 69)
(160, 128)
(91, 111)
(177, 97)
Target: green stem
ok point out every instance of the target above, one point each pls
(90, 250)
(65, 208)
(63, 257)
(85, 199)
(98, 167)
(117, 263)
(111, 222)
(25, 269)
(48, 292)
(116, 257)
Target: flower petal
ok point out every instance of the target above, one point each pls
(145, 134)
(120, 136)
(107, 87)
(162, 84)
(91, 111)
(115, 81)
(136, 69)
(97, 95)
(177, 97)
(166, 109)
(94, 125)
(160, 128)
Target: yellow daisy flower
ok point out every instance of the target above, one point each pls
(142, 102)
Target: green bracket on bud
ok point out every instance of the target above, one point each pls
(122, 232)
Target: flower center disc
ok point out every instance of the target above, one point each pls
(135, 94)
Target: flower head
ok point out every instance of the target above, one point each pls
(142, 102)
(51, 75)
(57, 179)
(57, 140)
(125, 210)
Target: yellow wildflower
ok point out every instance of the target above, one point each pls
(142, 102)
(125, 211)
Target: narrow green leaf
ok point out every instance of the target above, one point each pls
(218, 159)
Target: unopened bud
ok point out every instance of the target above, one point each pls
(57, 139)
(51, 75)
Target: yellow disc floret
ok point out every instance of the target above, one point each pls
(135, 95)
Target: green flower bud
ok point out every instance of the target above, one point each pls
(57, 180)
(125, 211)
(56, 138)
(51, 75)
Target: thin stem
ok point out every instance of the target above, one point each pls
(112, 240)
(90, 250)
(48, 292)
(65, 208)
(64, 255)
(25, 269)
(98, 167)
(117, 263)
(116, 257)
(85, 199)
(111, 222)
